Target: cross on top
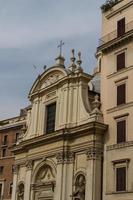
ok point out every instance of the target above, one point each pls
(60, 46)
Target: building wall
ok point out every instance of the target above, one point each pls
(117, 154)
(7, 128)
(48, 164)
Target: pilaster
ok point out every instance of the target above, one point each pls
(29, 166)
(94, 174)
(15, 176)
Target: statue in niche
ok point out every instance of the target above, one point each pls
(21, 192)
(79, 193)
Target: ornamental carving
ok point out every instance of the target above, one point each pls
(79, 192)
(65, 157)
(45, 174)
(52, 79)
(94, 153)
(29, 164)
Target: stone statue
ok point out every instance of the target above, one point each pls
(79, 193)
(21, 192)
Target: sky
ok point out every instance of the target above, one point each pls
(30, 31)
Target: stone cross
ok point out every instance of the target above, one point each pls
(60, 46)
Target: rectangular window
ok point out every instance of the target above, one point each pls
(4, 152)
(0, 189)
(1, 170)
(121, 131)
(16, 137)
(121, 179)
(121, 61)
(5, 140)
(10, 188)
(121, 27)
(50, 121)
(121, 94)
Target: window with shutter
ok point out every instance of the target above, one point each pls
(121, 131)
(121, 27)
(121, 179)
(121, 94)
(50, 121)
(121, 61)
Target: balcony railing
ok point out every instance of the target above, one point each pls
(113, 35)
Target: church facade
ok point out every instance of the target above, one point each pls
(60, 154)
(77, 144)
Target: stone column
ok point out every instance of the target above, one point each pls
(27, 188)
(93, 174)
(15, 177)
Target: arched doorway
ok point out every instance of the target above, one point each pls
(44, 183)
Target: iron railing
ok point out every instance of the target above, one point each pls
(113, 35)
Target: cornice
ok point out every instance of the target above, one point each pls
(67, 79)
(117, 42)
(114, 12)
(126, 69)
(12, 126)
(63, 134)
(119, 146)
(121, 107)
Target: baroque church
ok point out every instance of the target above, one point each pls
(60, 154)
(78, 143)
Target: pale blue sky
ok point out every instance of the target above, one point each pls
(30, 31)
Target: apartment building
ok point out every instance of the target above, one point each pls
(115, 57)
(10, 131)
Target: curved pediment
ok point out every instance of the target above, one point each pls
(48, 78)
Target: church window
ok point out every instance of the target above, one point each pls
(50, 117)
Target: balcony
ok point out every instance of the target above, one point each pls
(113, 36)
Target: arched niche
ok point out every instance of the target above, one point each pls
(20, 191)
(79, 186)
(43, 183)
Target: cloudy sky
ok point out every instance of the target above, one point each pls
(30, 31)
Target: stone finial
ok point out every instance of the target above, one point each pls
(96, 112)
(72, 66)
(79, 62)
(96, 103)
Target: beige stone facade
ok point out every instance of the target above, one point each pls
(67, 162)
(115, 72)
(79, 146)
